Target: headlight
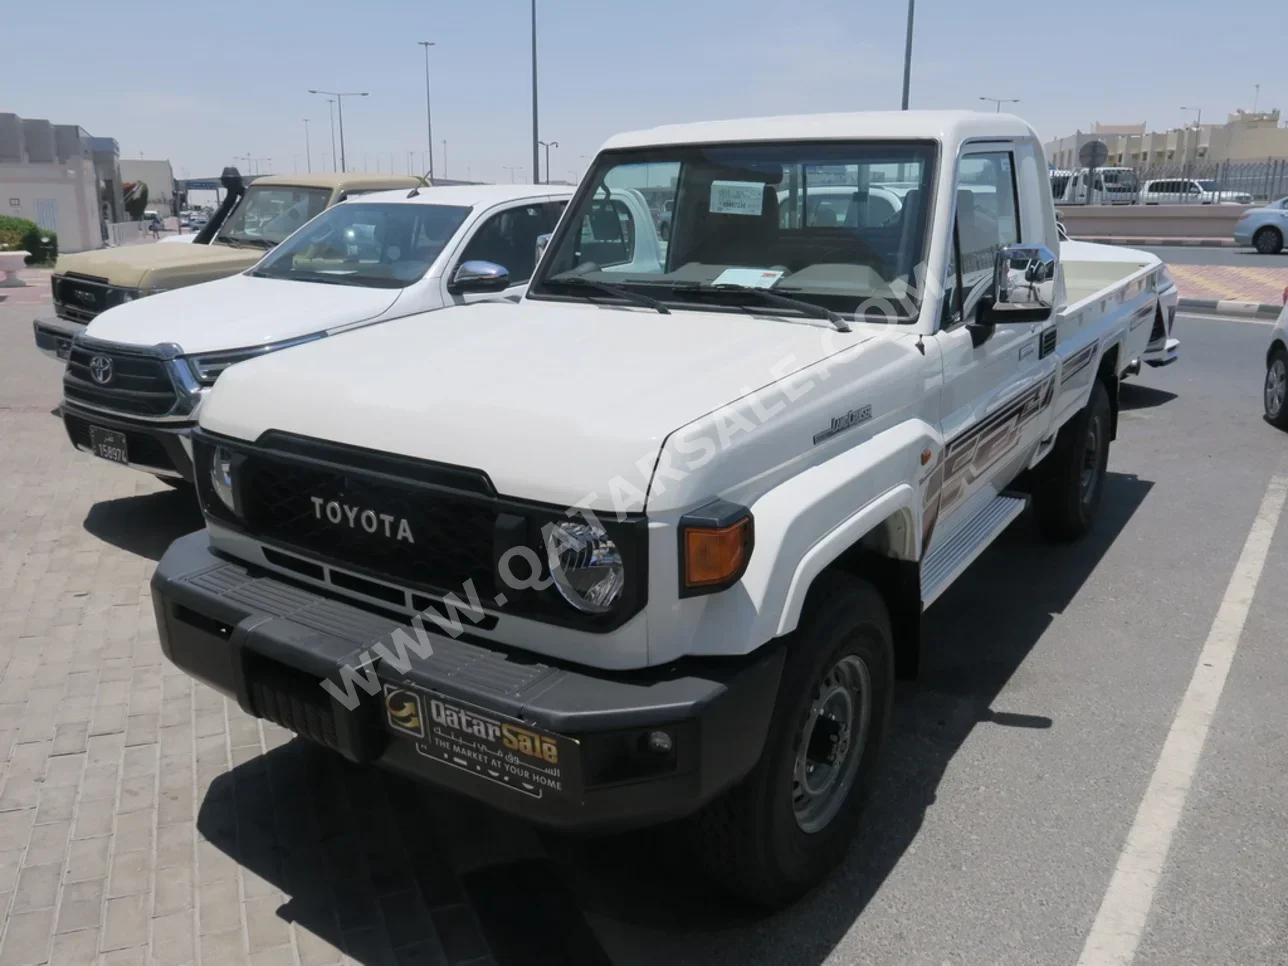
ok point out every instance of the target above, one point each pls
(221, 476)
(207, 367)
(586, 566)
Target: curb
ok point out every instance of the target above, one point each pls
(1160, 242)
(1267, 310)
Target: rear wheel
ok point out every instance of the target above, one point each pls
(789, 823)
(1276, 388)
(1268, 240)
(1068, 484)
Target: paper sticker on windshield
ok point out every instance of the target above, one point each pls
(737, 197)
(748, 277)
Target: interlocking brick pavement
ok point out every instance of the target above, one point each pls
(1231, 282)
(146, 820)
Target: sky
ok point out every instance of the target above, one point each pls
(201, 84)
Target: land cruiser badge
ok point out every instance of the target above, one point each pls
(841, 423)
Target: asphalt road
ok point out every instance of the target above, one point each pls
(1017, 765)
(1243, 257)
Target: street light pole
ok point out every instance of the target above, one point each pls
(511, 170)
(536, 161)
(547, 145)
(429, 117)
(1199, 120)
(308, 157)
(339, 110)
(330, 109)
(999, 101)
(907, 55)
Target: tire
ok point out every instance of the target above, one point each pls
(1275, 388)
(1268, 241)
(761, 841)
(1069, 484)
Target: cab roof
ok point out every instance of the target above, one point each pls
(470, 195)
(948, 126)
(337, 179)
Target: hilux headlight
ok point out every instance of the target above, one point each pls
(207, 366)
(586, 565)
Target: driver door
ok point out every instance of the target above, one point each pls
(997, 380)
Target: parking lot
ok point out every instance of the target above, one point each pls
(145, 820)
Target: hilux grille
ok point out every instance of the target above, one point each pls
(447, 540)
(136, 384)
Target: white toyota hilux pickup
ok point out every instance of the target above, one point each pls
(655, 542)
(136, 375)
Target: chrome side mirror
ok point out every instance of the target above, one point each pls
(473, 277)
(543, 241)
(1023, 285)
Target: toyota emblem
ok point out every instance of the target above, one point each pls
(100, 367)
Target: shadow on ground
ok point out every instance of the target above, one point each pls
(1135, 395)
(368, 860)
(147, 524)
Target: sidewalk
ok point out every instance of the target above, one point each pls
(1231, 288)
(1153, 242)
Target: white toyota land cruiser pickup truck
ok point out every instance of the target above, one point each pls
(136, 375)
(654, 543)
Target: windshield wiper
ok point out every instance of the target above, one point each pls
(230, 242)
(773, 298)
(616, 290)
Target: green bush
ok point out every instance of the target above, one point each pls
(23, 234)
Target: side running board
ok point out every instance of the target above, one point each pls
(945, 562)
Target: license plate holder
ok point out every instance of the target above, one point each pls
(491, 746)
(108, 444)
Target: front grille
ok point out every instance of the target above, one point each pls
(285, 501)
(138, 384)
(143, 449)
(82, 297)
(292, 699)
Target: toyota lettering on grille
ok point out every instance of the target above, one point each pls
(100, 368)
(377, 524)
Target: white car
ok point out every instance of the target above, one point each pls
(137, 374)
(654, 543)
(1276, 384)
(1190, 191)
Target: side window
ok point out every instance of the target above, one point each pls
(607, 234)
(987, 221)
(509, 238)
(554, 211)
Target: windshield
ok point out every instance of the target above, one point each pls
(368, 244)
(266, 215)
(830, 224)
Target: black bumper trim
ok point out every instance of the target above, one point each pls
(151, 446)
(233, 628)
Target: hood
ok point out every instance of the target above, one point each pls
(555, 401)
(155, 266)
(236, 312)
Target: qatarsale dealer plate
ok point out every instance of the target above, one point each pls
(492, 746)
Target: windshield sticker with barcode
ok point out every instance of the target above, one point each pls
(737, 197)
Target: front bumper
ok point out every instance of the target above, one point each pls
(162, 449)
(54, 335)
(468, 716)
(1164, 355)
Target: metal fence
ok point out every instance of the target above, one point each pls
(1121, 184)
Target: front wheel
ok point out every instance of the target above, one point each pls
(1276, 388)
(1268, 241)
(1070, 482)
(790, 822)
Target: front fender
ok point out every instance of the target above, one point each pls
(806, 523)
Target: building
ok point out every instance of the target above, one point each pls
(1244, 137)
(51, 174)
(158, 176)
